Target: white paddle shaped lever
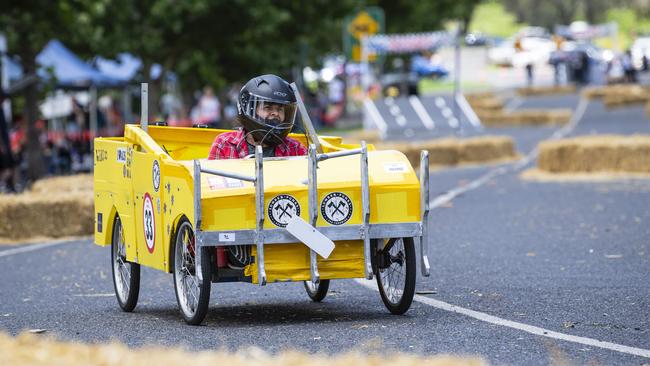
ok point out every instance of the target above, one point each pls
(310, 236)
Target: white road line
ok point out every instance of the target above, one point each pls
(513, 167)
(468, 111)
(419, 109)
(375, 116)
(513, 104)
(30, 248)
(519, 326)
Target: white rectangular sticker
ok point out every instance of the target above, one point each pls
(395, 168)
(223, 183)
(121, 155)
(226, 237)
(311, 237)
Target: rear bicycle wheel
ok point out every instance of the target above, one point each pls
(395, 271)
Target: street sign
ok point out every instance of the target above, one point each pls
(365, 22)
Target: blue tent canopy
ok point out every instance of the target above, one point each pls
(69, 70)
(123, 69)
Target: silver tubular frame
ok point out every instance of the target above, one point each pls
(259, 214)
(313, 208)
(144, 109)
(424, 207)
(197, 220)
(262, 237)
(365, 205)
(311, 132)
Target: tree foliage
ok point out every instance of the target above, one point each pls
(213, 42)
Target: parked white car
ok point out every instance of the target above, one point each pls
(533, 50)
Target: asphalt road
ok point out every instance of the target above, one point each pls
(572, 258)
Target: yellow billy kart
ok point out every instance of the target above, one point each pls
(342, 211)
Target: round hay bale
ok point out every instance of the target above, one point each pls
(603, 153)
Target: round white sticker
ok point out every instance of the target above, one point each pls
(149, 223)
(336, 208)
(282, 208)
(155, 175)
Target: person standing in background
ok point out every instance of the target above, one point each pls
(7, 162)
(208, 109)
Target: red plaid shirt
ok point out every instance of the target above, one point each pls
(232, 145)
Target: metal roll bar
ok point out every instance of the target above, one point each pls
(364, 232)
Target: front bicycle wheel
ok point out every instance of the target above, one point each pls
(126, 275)
(317, 292)
(395, 271)
(192, 296)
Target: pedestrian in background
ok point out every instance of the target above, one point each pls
(7, 162)
(208, 109)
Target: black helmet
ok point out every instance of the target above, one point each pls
(267, 109)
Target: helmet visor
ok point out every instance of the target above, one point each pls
(272, 113)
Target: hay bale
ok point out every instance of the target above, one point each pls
(486, 148)
(489, 104)
(30, 215)
(604, 153)
(369, 136)
(64, 184)
(29, 349)
(618, 95)
(533, 117)
(454, 151)
(479, 95)
(546, 90)
(629, 97)
(53, 208)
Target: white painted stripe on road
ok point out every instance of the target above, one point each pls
(30, 248)
(468, 111)
(519, 326)
(419, 109)
(375, 116)
(513, 104)
(513, 167)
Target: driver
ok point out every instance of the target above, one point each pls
(266, 110)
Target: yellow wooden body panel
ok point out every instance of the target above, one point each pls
(122, 183)
(290, 262)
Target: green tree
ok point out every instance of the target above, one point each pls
(29, 25)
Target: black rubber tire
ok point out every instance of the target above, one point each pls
(127, 303)
(201, 310)
(321, 290)
(400, 306)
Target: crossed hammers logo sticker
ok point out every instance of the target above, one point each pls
(336, 208)
(282, 208)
